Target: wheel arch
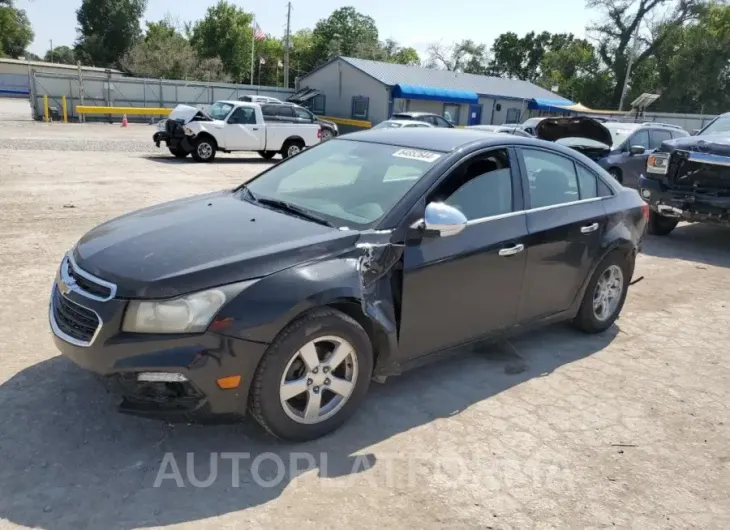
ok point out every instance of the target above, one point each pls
(616, 170)
(207, 136)
(292, 139)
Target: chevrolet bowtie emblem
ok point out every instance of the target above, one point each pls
(64, 287)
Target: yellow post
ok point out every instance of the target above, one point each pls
(65, 110)
(45, 108)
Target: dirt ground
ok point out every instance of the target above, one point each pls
(628, 429)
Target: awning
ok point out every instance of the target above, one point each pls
(550, 105)
(429, 93)
(303, 95)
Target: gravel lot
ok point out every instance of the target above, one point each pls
(628, 429)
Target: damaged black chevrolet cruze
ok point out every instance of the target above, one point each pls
(352, 261)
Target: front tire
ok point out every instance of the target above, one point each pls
(326, 135)
(178, 152)
(204, 149)
(313, 376)
(605, 295)
(660, 225)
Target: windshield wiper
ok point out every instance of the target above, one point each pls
(292, 208)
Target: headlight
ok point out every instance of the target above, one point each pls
(161, 125)
(658, 163)
(191, 313)
(189, 131)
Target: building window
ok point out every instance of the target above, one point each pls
(318, 104)
(360, 107)
(513, 116)
(451, 113)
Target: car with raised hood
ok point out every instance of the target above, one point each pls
(688, 179)
(229, 126)
(355, 260)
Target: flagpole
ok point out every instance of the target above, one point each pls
(253, 45)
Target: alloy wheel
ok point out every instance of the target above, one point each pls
(318, 380)
(607, 294)
(293, 150)
(205, 150)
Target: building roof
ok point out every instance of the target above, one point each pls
(45, 64)
(392, 74)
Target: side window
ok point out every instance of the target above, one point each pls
(318, 104)
(657, 136)
(441, 122)
(360, 107)
(268, 110)
(552, 177)
(588, 183)
(243, 116)
(302, 114)
(433, 120)
(480, 187)
(640, 138)
(285, 111)
(451, 114)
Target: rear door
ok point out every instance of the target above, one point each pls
(462, 287)
(565, 222)
(243, 131)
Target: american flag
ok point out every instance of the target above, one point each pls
(258, 33)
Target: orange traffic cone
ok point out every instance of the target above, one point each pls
(124, 121)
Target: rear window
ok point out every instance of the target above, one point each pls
(268, 110)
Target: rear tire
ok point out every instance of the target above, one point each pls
(267, 155)
(291, 148)
(178, 152)
(660, 225)
(602, 303)
(285, 363)
(204, 149)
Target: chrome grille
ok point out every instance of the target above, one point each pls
(84, 283)
(72, 320)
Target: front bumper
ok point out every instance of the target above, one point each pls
(118, 357)
(686, 205)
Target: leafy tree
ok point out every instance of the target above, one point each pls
(225, 32)
(302, 54)
(620, 21)
(108, 29)
(60, 54)
(521, 57)
(163, 52)
(345, 32)
(15, 30)
(465, 56)
(392, 52)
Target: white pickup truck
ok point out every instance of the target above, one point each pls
(232, 126)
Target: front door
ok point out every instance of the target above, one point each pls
(566, 223)
(242, 133)
(475, 114)
(461, 287)
(635, 165)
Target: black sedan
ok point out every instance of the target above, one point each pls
(352, 261)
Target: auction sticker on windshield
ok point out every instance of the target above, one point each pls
(417, 154)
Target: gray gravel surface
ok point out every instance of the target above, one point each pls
(121, 146)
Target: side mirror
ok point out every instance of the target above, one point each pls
(637, 150)
(443, 219)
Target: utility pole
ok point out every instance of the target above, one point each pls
(51, 50)
(634, 49)
(287, 44)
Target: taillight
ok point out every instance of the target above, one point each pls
(645, 211)
(319, 133)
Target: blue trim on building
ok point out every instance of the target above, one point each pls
(550, 105)
(15, 92)
(434, 94)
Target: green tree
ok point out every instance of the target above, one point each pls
(619, 22)
(521, 57)
(163, 52)
(225, 33)
(60, 54)
(16, 32)
(466, 56)
(107, 30)
(345, 32)
(392, 52)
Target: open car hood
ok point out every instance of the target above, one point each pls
(552, 129)
(186, 114)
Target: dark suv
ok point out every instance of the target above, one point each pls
(292, 113)
(433, 119)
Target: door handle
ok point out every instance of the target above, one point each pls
(589, 228)
(511, 251)
(254, 128)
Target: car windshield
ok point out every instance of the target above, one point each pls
(619, 132)
(348, 183)
(720, 125)
(219, 110)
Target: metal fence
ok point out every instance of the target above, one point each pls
(107, 91)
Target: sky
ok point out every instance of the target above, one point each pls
(415, 23)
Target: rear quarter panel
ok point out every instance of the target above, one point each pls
(277, 134)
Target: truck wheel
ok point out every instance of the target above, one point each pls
(267, 155)
(178, 152)
(660, 225)
(204, 149)
(326, 135)
(605, 295)
(291, 148)
(313, 376)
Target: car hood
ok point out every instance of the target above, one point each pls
(199, 242)
(552, 129)
(716, 144)
(186, 113)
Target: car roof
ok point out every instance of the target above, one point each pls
(406, 122)
(408, 113)
(446, 140)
